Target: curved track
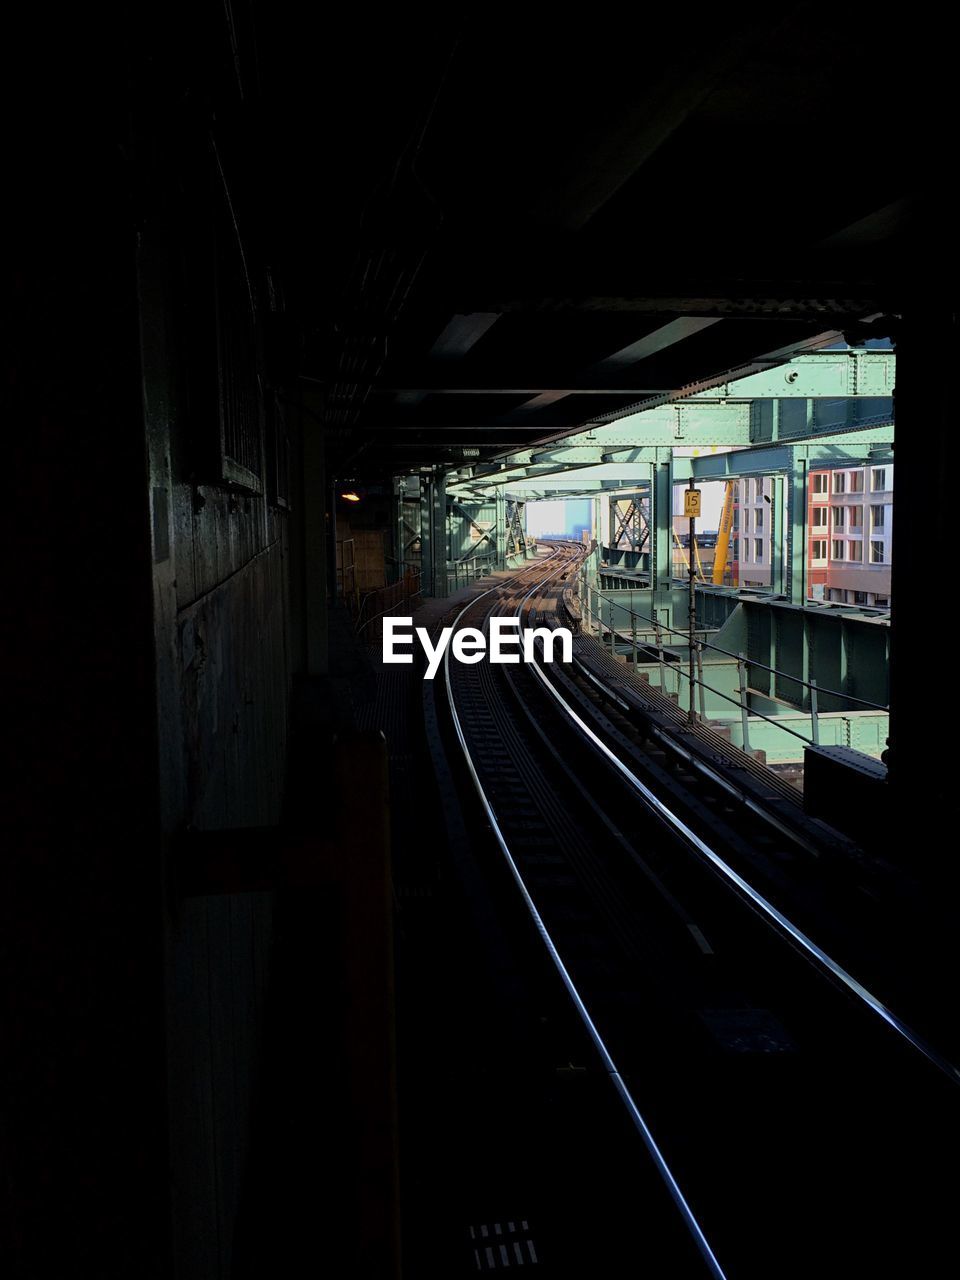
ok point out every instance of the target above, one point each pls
(800, 1118)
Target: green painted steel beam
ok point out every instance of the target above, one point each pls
(818, 394)
(661, 528)
(873, 444)
(778, 536)
(690, 422)
(604, 453)
(796, 516)
(817, 374)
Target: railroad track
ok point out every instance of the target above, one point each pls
(758, 847)
(761, 1077)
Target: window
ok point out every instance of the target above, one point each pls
(882, 602)
(820, 549)
(855, 550)
(876, 517)
(758, 519)
(821, 482)
(736, 519)
(758, 550)
(839, 482)
(838, 517)
(819, 517)
(878, 481)
(736, 548)
(856, 517)
(856, 482)
(746, 522)
(876, 552)
(837, 550)
(758, 488)
(860, 597)
(836, 595)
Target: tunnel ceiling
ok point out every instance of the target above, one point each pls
(494, 230)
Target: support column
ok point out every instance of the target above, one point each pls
(409, 530)
(398, 532)
(441, 543)
(426, 536)
(605, 521)
(661, 523)
(591, 566)
(796, 516)
(778, 539)
(433, 533)
(500, 531)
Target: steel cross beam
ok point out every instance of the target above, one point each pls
(412, 530)
(485, 534)
(516, 539)
(629, 524)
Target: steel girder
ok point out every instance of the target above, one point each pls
(830, 374)
(845, 450)
(586, 481)
(581, 463)
(815, 396)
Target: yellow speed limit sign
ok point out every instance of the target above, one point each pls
(691, 502)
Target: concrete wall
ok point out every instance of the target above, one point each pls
(152, 653)
(224, 660)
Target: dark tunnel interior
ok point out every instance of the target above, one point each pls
(273, 1004)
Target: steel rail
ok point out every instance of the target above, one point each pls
(717, 778)
(782, 923)
(610, 1066)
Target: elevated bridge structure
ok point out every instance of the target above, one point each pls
(830, 409)
(820, 410)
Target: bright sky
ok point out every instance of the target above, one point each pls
(711, 504)
(557, 516)
(561, 515)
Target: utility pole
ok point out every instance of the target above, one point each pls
(691, 508)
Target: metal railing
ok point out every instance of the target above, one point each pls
(469, 570)
(347, 587)
(591, 596)
(391, 597)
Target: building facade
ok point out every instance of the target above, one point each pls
(850, 534)
(752, 531)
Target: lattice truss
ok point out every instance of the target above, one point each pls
(630, 522)
(516, 538)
